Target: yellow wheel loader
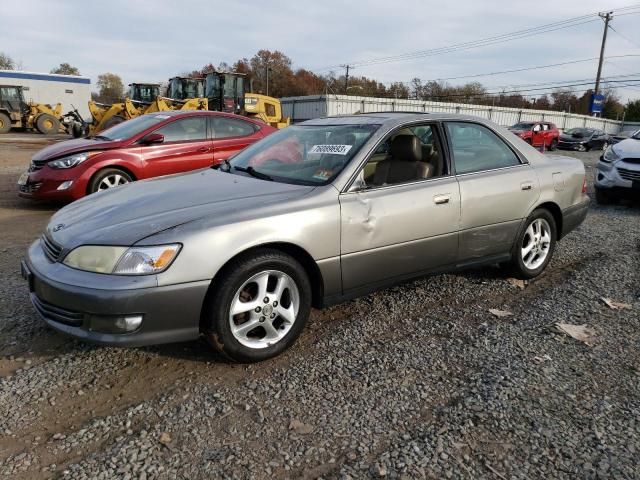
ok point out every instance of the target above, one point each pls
(267, 109)
(16, 113)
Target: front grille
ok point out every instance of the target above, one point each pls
(30, 187)
(57, 314)
(36, 165)
(629, 174)
(51, 249)
(635, 161)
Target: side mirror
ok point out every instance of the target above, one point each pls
(152, 139)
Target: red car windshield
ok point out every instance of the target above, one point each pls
(132, 127)
(307, 155)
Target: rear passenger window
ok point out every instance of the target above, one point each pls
(185, 130)
(230, 127)
(476, 148)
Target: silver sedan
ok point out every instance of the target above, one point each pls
(315, 214)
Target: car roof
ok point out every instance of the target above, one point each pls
(391, 118)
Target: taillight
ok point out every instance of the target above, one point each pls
(584, 185)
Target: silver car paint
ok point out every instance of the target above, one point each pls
(611, 178)
(355, 238)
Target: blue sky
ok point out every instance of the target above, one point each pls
(154, 40)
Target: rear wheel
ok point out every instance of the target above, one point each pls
(5, 123)
(535, 245)
(109, 178)
(258, 307)
(47, 124)
(554, 144)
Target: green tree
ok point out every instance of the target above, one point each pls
(632, 111)
(110, 88)
(65, 69)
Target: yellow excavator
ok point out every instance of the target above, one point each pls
(267, 109)
(16, 113)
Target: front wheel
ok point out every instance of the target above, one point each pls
(108, 178)
(554, 145)
(535, 245)
(258, 307)
(47, 124)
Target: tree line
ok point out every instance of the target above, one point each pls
(272, 72)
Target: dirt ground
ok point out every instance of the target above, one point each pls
(63, 394)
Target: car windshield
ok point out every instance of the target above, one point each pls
(304, 154)
(132, 127)
(523, 126)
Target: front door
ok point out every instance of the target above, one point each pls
(185, 147)
(403, 217)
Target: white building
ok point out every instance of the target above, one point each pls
(52, 88)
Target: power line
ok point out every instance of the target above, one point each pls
(571, 22)
(625, 37)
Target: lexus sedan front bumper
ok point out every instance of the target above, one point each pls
(98, 308)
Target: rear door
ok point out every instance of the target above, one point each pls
(186, 147)
(497, 189)
(230, 135)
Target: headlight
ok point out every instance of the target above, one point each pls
(610, 155)
(122, 260)
(71, 160)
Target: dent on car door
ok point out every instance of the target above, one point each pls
(497, 190)
(185, 147)
(395, 224)
(231, 135)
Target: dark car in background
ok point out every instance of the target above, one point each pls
(537, 134)
(148, 146)
(618, 137)
(584, 139)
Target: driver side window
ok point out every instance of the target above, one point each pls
(408, 155)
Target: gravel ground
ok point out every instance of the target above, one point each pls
(417, 381)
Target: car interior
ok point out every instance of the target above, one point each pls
(409, 155)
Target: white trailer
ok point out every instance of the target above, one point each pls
(52, 88)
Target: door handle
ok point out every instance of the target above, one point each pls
(203, 149)
(526, 185)
(441, 199)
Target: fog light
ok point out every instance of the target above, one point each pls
(116, 324)
(129, 324)
(65, 185)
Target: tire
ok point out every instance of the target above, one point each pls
(47, 124)
(77, 131)
(532, 264)
(603, 197)
(108, 178)
(554, 145)
(251, 277)
(114, 121)
(5, 123)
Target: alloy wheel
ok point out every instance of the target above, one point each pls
(264, 309)
(536, 244)
(111, 181)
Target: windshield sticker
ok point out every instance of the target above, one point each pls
(323, 174)
(332, 149)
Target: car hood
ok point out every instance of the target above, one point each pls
(130, 213)
(628, 148)
(74, 146)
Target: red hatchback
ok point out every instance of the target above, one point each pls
(147, 146)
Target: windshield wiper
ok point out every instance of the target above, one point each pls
(253, 172)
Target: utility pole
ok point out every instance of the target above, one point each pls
(607, 18)
(346, 77)
(267, 68)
